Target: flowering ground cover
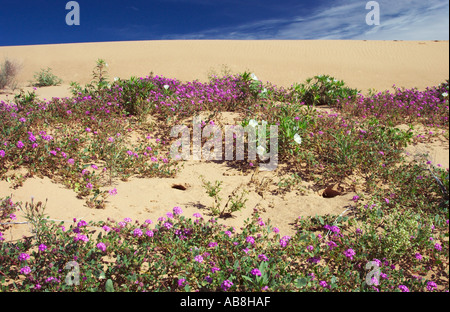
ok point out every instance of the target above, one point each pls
(395, 237)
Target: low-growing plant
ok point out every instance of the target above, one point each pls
(322, 90)
(213, 191)
(46, 78)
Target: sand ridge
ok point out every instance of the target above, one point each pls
(361, 64)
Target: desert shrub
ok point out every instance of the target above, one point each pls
(46, 78)
(134, 94)
(8, 72)
(322, 90)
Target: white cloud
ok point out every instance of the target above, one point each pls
(399, 20)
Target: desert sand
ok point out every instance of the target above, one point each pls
(361, 64)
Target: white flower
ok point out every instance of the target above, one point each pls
(253, 76)
(264, 90)
(297, 138)
(253, 123)
(445, 94)
(295, 128)
(116, 78)
(260, 150)
(166, 87)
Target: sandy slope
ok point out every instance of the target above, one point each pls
(362, 64)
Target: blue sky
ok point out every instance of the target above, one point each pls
(28, 22)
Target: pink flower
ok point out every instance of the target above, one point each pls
(101, 246)
(250, 239)
(256, 272)
(431, 286)
(84, 238)
(177, 210)
(25, 270)
(181, 282)
(137, 232)
(284, 241)
(89, 186)
(226, 284)
(112, 192)
(198, 258)
(20, 144)
(2, 153)
(323, 284)
(349, 253)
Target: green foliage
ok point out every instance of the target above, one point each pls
(213, 191)
(134, 94)
(322, 90)
(46, 78)
(25, 99)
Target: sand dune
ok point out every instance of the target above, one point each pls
(361, 64)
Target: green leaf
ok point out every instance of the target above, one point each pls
(301, 282)
(109, 286)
